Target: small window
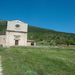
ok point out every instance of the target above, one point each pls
(17, 26)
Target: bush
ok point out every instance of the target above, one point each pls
(1, 45)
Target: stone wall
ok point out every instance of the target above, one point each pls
(29, 43)
(16, 32)
(12, 36)
(11, 26)
(2, 39)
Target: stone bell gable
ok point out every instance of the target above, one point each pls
(13, 26)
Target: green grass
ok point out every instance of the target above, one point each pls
(38, 60)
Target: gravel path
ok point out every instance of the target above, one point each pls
(0, 67)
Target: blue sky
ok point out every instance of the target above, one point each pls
(58, 15)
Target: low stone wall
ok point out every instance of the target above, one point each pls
(65, 45)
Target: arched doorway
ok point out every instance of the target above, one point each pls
(16, 42)
(32, 43)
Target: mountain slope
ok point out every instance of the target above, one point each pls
(37, 29)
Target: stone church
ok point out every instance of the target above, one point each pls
(16, 34)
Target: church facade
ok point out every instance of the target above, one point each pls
(16, 34)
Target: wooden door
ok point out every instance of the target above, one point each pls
(16, 42)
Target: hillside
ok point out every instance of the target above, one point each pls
(45, 36)
(2, 26)
(38, 30)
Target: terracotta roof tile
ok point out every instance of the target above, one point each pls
(2, 33)
(30, 41)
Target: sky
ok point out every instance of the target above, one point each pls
(58, 15)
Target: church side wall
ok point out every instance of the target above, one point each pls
(28, 43)
(12, 36)
(2, 39)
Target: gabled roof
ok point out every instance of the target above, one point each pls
(17, 21)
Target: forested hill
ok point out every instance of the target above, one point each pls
(2, 26)
(45, 36)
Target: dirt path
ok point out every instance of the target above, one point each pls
(0, 67)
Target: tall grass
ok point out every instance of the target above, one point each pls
(38, 60)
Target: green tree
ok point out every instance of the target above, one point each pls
(67, 42)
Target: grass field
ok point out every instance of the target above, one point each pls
(38, 60)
